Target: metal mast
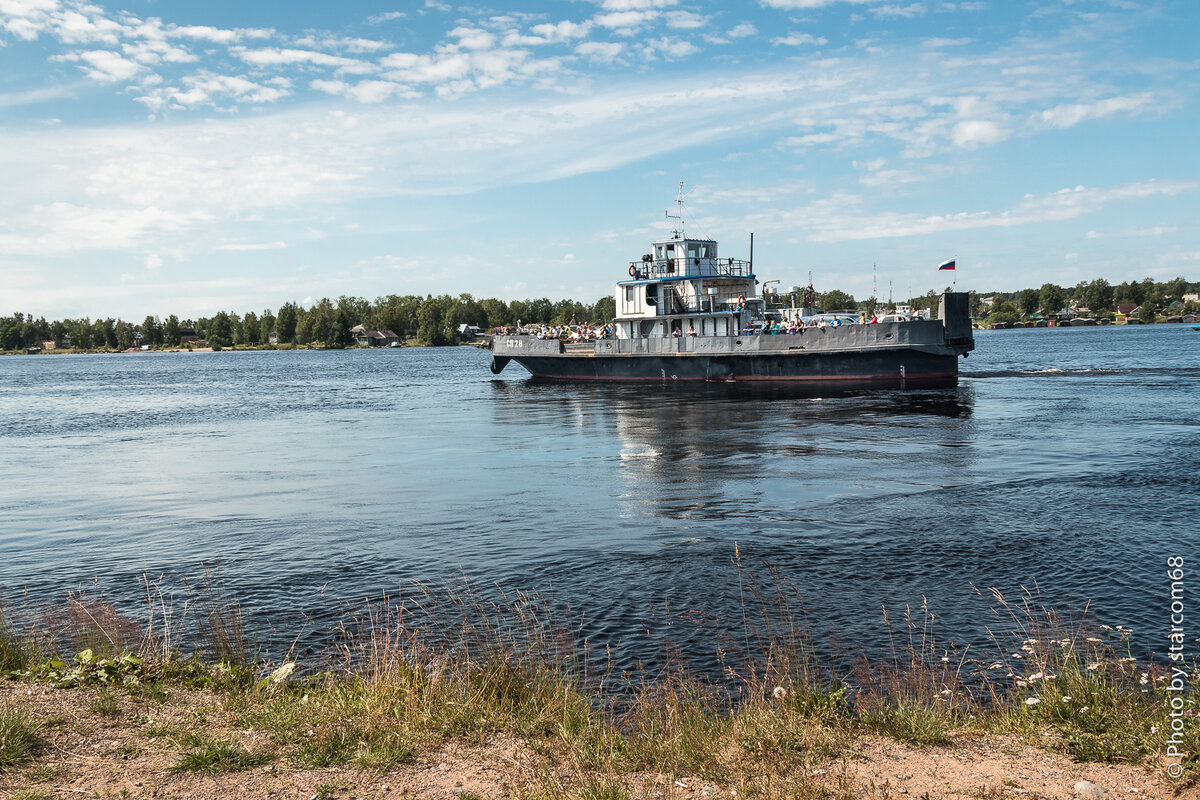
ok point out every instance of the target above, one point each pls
(678, 215)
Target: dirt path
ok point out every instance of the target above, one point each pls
(109, 745)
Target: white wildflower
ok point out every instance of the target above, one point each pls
(1092, 667)
(1084, 710)
(1106, 627)
(1022, 684)
(997, 665)
(780, 693)
(1032, 701)
(1093, 639)
(281, 674)
(1143, 679)
(945, 692)
(1037, 676)
(1066, 698)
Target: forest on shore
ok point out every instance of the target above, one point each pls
(434, 320)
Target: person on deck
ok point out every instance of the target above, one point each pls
(691, 330)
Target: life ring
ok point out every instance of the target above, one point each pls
(741, 301)
(632, 271)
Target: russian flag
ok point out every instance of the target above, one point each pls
(946, 264)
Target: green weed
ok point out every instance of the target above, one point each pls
(217, 756)
(18, 738)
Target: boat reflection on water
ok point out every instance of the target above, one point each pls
(766, 455)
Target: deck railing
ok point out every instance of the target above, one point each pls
(664, 268)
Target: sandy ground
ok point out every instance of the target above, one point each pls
(83, 753)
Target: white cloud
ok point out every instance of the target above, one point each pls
(276, 56)
(157, 51)
(908, 12)
(368, 91)
(685, 20)
(801, 5)
(600, 51)
(1068, 115)
(799, 39)
(1134, 233)
(104, 66)
(216, 35)
(560, 32)
(972, 133)
(250, 248)
(626, 23)
(673, 48)
(636, 5)
(73, 27)
(936, 42)
(472, 39)
(741, 30)
(63, 228)
(387, 16)
(843, 218)
(26, 19)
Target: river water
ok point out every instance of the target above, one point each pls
(1064, 459)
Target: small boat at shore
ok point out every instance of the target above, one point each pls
(687, 314)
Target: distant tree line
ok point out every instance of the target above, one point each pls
(1100, 297)
(327, 323)
(434, 320)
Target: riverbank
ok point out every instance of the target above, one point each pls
(504, 705)
(178, 742)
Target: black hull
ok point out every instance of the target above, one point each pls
(885, 367)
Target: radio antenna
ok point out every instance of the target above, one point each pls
(678, 215)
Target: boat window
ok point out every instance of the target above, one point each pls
(629, 294)
(658, 252)
(652, 294)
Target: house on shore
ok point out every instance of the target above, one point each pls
(1124, 312)
(467, 333)
(369, 338)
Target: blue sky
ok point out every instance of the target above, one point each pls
(170, 157)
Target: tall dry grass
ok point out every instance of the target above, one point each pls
(455, 661)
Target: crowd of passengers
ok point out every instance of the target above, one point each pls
(796, 324)
(572, 332)
(589, 333)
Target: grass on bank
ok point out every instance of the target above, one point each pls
(511, 666)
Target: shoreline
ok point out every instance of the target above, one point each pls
(197, 743)
(500, 705)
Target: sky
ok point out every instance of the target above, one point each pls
(168, 157)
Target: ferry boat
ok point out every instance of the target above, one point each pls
(685, 313)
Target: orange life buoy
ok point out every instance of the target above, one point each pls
(632, 271)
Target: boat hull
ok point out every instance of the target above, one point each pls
(923, 352)
(876, 368)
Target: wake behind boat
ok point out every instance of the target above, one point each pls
(686, 314)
